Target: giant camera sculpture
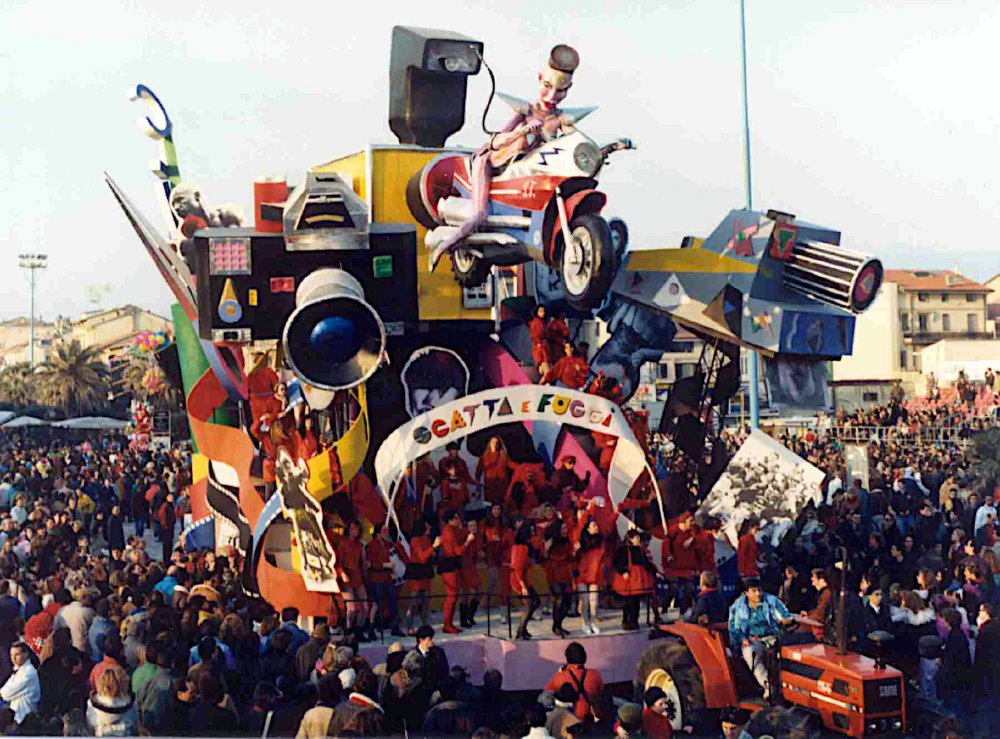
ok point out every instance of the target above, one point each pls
(334, 288)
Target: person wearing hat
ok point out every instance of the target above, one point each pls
(655, 715)
(732, 720)
(588, 684)
(530, 127)
(561, 717)
(629, 724)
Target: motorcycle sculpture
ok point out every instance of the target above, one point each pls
(544, 206)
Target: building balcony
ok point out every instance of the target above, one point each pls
(929, 337)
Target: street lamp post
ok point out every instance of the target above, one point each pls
(32, 263)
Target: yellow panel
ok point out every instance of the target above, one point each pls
(199, 467)
(686, 260)
(352, 448)
(439, 296)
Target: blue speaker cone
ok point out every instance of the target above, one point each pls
(335, 339)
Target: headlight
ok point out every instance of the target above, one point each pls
(587, 158)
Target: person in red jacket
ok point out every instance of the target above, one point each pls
(559, 573)
(494, 470)
(681, 560)
(419, 573)
(452, 542)
(557, 333)
(520, 564)
(452, 457)
(522, 494)
(454, 490)
(570, 370)
(350, 569)
(747, 551)
(538, 330)
(590, 552)
(472, 583)
(378, 554)
(591, 705)
(497, 542)
(706, 545)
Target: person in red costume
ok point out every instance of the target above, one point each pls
(383, 590)
(538, 329)
(281, 434)
(520, 564)
(452, 542)
(557, 333)
(681, 560)
(706, 545)
(590, 552)
(472, 583)
(350, 569)
(494, 470)
(266, 410)
(419, 573)
(452, 457)
(559, 573)
(366, 499)
(522, 494)
(262, 384)
(747, 550)
(454, 490)
(310, 442)
(634, 577)
(570, 370)
(420, 477)
(497, 541)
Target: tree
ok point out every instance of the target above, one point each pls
(74, 378)
(986, 448)
(18, 386)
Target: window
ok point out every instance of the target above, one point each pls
(867, 397)
(663, 370)
(922, 297)
(685, 369)
(904, 319)
(944, 297)
(902, 359)
(945, 322)
(683, 347)
(972, 324)
(922, 321)
(970, 297)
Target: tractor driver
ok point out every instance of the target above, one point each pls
(755, 621)
(528, 129)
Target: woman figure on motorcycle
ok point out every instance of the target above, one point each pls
(528, 128)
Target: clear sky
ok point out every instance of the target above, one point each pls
(877, 118)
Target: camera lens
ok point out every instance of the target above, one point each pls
(334, 339)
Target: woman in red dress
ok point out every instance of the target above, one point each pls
(520, 563)
(494, 469)
(589, 559)
(497, 542)
(420, 572)
(634, 577)
(350, 567)
(559, 572)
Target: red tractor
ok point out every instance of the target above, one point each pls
(849, 693)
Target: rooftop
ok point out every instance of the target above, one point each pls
(946, 280)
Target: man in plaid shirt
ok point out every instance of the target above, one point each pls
(755, 621)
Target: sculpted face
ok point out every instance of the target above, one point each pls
(553, 86)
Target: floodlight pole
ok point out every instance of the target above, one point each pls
(753, 380)
(32, 263)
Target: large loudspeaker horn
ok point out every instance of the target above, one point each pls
(333, 340)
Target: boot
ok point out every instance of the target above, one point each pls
(372, 636)
(463, 615)
(449, 620)
(473, 606)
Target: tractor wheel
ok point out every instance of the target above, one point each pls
(784, 722)
(416, 204)
(587, 266)
(670, 666)
(469, 270)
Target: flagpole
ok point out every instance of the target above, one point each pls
(753, 380)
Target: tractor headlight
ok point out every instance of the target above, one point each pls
(587, 158)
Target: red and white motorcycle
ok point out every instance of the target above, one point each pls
(543, 206)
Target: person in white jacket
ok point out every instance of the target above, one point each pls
(22, 691)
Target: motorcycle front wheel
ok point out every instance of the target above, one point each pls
(587, 266)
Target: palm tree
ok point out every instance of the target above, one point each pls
(17, 385)
(74, 378)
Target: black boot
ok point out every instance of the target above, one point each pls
(473, 606)
(463, 617)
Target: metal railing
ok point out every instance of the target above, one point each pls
(959, 436)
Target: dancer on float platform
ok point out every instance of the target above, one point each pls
(530, 127)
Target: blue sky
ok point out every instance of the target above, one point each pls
(879, 119)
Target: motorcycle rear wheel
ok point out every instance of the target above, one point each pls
(469, 270)
(587, 266)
